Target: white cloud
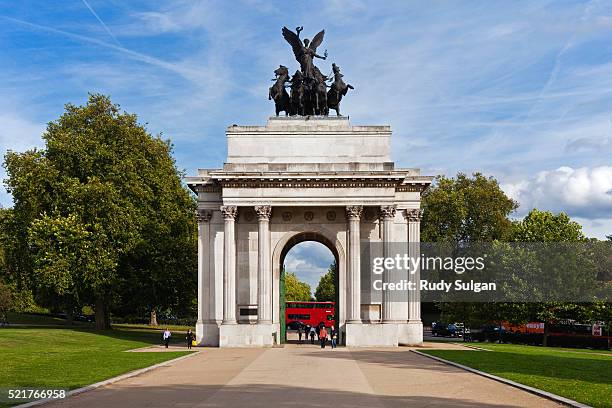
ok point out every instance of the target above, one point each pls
(584, 193)
(309, 261)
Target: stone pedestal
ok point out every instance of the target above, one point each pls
(411, 333)
(246, 335)
(372, 335)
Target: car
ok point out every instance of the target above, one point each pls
(444, 330)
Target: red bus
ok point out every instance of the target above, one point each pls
(310, 313)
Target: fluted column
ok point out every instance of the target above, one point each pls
(204, 307)
(387, 213)
(229, 264)
(264, 270)
(413, 216)
(353, 214)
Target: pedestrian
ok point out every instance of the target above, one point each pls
(313, 332)
(166, 337)
(190, 338)
(333, 334)
(323, 336)
(300, 334)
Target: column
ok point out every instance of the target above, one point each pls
(264, 270)
(229, 264)
(387, 213)
(353, 214)
(204, 310)
(413, 216)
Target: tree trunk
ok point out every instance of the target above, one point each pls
(545, 339)
(69, 317)
(102, 315)
(153, 318)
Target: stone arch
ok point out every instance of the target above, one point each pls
(310, 233)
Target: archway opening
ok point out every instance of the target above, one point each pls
(309, 294)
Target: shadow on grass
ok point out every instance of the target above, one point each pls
(147, 336)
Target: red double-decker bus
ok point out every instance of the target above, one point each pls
(310, 313)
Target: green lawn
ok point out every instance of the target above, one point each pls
(73, 357)
(581, 375)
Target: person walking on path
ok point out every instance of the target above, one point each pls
(190, 338)
(166, 337)
(312, 335)
(323, 336)
(299, 334)
(333, 334)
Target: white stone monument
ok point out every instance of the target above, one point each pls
(302, 179)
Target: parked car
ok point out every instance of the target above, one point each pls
(443, 329)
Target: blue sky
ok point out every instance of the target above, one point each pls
(518, 90)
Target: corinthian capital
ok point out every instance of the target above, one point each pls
(413, 214)
(263, 212)
(229, 212)
(203, 215)
(354, 211)
(387, 211)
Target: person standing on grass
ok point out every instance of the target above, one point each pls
(333, 334)
(190, 338)
(166, 337)
(323, 336)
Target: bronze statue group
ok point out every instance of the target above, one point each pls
(309, 93)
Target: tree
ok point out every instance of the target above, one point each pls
(6, 302)
(466, 209)
(295, 289)
(546, 227)
(100, 214)
(326, 289)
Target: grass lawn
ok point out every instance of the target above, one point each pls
(582, 375)
(73, 357)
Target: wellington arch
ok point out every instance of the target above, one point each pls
(302, 178)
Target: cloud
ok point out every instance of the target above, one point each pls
(309, 261)
(593, 143)
(584, 193)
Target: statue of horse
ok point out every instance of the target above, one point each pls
(337, 91)
(278, 92)
(320, 93)
(297, 94)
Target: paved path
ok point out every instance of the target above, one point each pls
(301, 376)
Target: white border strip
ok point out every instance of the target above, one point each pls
(107, 382)
(536, 391)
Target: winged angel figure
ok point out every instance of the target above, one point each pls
(305, 53)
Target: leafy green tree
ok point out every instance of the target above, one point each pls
(6, 302)
(546, 227)
(100, 215)
(326, 289)
(295, 289)
(466, 209)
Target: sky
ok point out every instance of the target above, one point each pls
(521, 91)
